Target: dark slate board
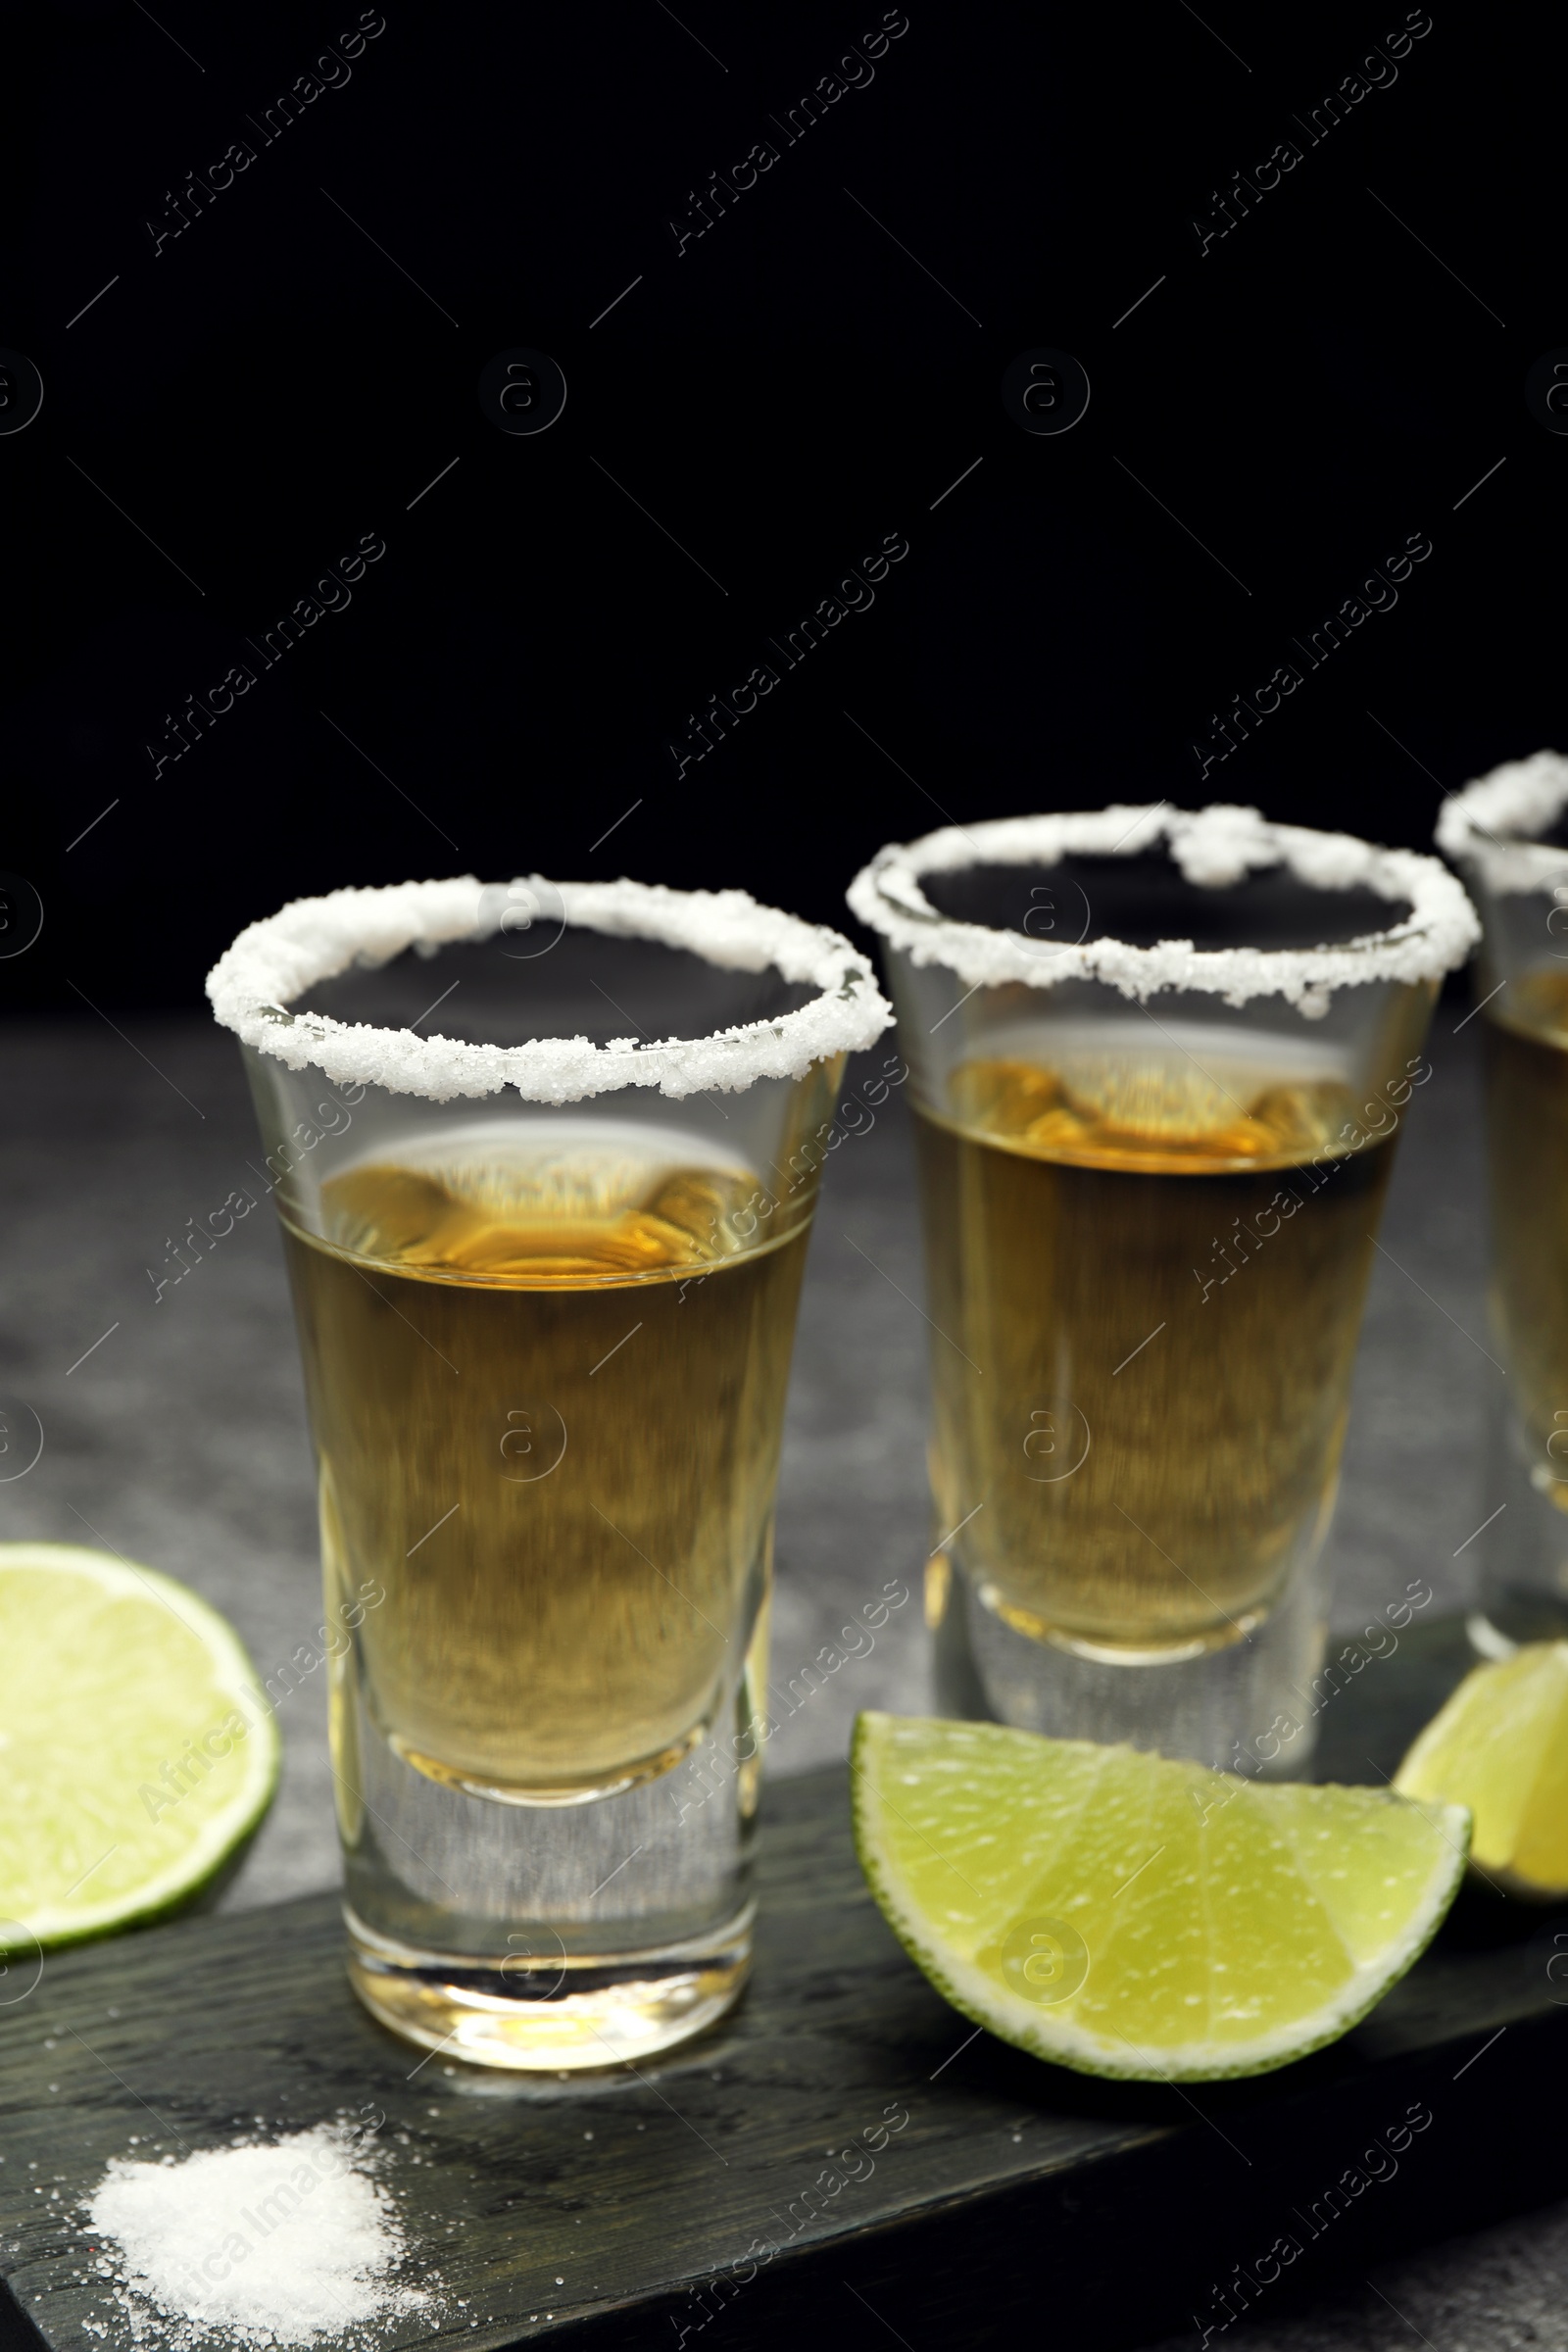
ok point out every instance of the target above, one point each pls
(1015, 2197)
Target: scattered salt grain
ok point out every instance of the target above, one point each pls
(274, 2245)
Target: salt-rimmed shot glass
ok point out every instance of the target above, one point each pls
(545, 1158)
(1158, 1063)
(1507, 832)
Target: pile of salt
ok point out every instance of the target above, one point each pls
(273, 2245)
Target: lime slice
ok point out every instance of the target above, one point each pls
(1501, 1746)
(137, 1747)
(1125, 1915)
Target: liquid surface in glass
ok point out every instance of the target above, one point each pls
(1146, 1264)
(546, 1365)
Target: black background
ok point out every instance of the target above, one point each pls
(280, 378)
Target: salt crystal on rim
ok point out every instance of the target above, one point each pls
(1213, 849)
(1490, 824)
(280, 2243)
(271, 964)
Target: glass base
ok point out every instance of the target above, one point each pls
(1248, 1706)
(546, 1935)
(586, 2010)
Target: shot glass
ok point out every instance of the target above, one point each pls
(1507, 835)
(545, 1158)
(1158, 1063)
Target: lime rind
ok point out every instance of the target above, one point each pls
(138, 1748)
(1329, 1885)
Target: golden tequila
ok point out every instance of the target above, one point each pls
(546, 1363)
(1146, 1277)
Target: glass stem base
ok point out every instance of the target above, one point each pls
(1246, 1707)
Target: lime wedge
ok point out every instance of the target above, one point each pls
(1499, 1746)
(1125, 1915)
(137, 1747)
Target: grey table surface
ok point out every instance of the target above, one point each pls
(175, 1432)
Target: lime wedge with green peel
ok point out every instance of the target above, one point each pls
(137, 1747)
(1501, 1746)
(1121, 1914)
